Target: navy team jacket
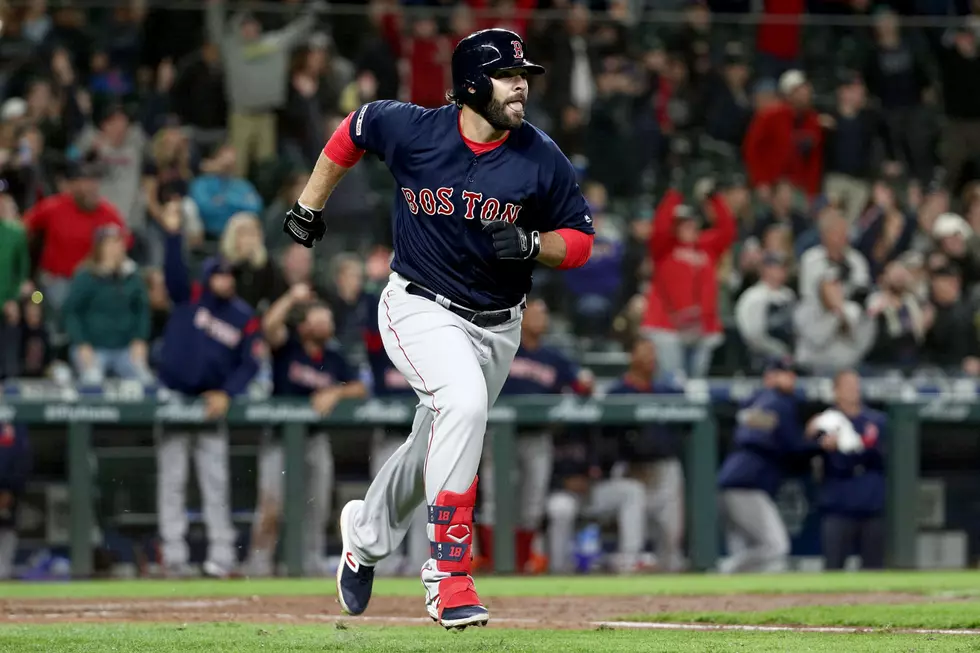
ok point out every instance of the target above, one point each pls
(646, 442)
(768, 439)
(15, 466)
(208, 341)
(854, 484)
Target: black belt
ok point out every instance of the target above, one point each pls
(479, 318)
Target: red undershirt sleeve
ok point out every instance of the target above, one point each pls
(340, 148)
(578, 248)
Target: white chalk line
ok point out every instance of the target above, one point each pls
(648, 625)
(125, 610)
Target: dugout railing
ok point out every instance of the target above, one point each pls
(700, 409)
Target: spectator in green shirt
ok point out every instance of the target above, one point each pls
(107, 314)
(15, 266)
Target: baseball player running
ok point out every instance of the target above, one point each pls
(482, 196)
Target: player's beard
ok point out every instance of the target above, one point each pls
(496, 114)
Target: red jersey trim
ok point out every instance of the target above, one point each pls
(479, 148)
(340, 148)
(578, 248)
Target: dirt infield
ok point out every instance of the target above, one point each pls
(532, 613)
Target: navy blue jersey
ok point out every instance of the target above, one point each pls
(854, 483)
(540, 371)
(386, 380)
(208, 341)
(445, 191)
(768, 439)
(295, 373)
(15, 468)
(645, 442)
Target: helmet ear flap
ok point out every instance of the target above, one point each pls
(482, 91)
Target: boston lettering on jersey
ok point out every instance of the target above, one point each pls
(296, 373)
(447, 187)
(542, 370)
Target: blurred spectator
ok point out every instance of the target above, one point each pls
(157, 111)
(160, 305)
(63, 228)
(779, 37)
(777, 241)
(785, 139)
(257, 280)
(834, 253)
(572, 63)
(350, 303)
(426, 61)
(682, 304)
(852, 131)
(764, 313)
(255, 65)
(198, 94)
(120, 146)
(220, 194)
(15, 470)
(729, 105)
(361, 90)
(288, 194)
(888, 231)
(897, 75)
(107, 313)
(107, 79)
(167, 176)
(832, 332)
(15, 268)
(902, 320)
(959, 64)
(692, 40)
(36, 351)
(380, 50)
(781, 210)
(653, 455)
(954, 239)
(595, 287)
(852, 487)
(952, 341)
(36, 23)
(301, 123)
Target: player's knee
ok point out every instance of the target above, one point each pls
(465, 407)
(777, 544)
(562, 507)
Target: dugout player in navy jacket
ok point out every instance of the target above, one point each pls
(537, 370)
(388, 382)
(206, 352)
(653, 453)
(15, 469)
(852, 490)
(305, 363)
(768, 439)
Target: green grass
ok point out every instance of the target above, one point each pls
(245, 638)
(913, 615)
(964, 583)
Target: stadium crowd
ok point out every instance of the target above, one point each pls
(758, 191)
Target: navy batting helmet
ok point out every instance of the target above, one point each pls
(481, 54)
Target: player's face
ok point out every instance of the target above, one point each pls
(848, 388)
(535, 320)
(506, 107)
(319, 324)
(222, 284)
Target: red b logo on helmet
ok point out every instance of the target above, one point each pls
(518, 49)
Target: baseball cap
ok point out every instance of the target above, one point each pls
(780, 364)
(773, 258)
(951, 224)
(791, 80)
(13, 109)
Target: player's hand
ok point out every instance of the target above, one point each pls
(511, 242)
(325, 400)
(216, 403)
(304, 225)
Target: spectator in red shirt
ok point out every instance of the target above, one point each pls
(779, 37)
(785, 140)
(62, 228)
(682, 305)
(427, 55)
